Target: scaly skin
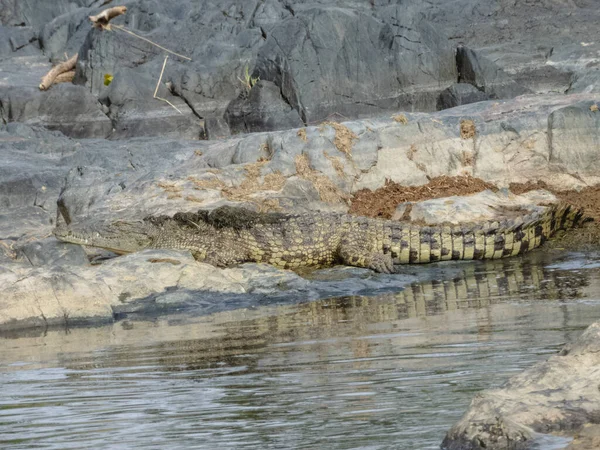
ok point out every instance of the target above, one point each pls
(229, 236)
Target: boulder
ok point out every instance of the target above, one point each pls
(21, 41)
(558, 395)
(460, 94)
(486, 76)
(331, 59)
(263, 109)
(541, 45)
(485, 206)
(574, 137)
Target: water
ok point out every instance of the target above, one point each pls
(391, 371)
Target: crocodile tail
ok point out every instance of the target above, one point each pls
(528, 232)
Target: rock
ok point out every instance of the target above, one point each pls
(509, 145)
(586, 438)
(540, 44)
(558, 395)
(135, 112)
(460, 94)
(50, 251)
(151, 280)
(571, 131)
(216, 128)
(264, 109)
(328, 60)
(16, 13)
(66, 33)
(485, 75)
(485, 206)
(21, 41)
(65, 107)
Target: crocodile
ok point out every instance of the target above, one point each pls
(229, 235)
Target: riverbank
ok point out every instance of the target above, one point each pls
(398, 368)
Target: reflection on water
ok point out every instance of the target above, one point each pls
(392, 371)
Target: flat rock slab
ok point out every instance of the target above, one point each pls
(480, 207)
(66, 293)
(560, 396)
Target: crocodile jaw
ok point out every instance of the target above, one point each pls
(119, 237)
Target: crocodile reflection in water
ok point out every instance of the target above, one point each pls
(477, 285)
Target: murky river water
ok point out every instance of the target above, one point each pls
(391, 371)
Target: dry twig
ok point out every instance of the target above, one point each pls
(122, 28)
(158, 84)
(51, 77)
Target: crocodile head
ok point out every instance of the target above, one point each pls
(117, 236)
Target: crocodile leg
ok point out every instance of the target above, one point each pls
(352, 253)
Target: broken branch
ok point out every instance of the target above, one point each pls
(65, 77)
(101, 20)
(50, 78)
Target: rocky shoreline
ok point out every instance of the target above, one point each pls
(292, 106)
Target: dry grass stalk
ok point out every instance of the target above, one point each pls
(193, 198)
(207, 183)
(269, 204)
(327, 190)
(169, 187)
(400, 118)
(467, 129)
(302, 134)
(412, 151)
(122, 28)
(467, 158)
(337, 164)
(50, 78)
(252, 184)
(101, 21)
(8, 250)
(158, 85)
(344, 138)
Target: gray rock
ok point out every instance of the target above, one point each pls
(571, 148)
(484, 206)
(216, 128)
(66, 33)
(460, 94)
(50, 251)
(17, 13)
(150, 279)
(65, 107)
(486, 76)
(264, 109)
(329, 60)
(21, 41)
(560, 394)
